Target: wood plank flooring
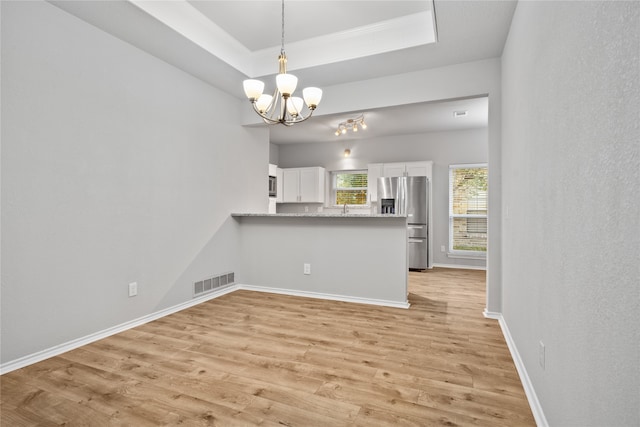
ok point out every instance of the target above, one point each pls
(251, 358)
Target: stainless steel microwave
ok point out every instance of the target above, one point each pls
(273, 186)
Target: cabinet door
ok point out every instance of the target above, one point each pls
(290, 185)
(279, 187)
(418, 169)
(393, 169)
(374, 172)
(312, 185)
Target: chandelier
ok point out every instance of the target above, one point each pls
(351, 124)
(282, 107)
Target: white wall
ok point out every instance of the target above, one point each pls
(115, 168)
(571, 156)
(273, 154)
(443, 148)
(275, 250)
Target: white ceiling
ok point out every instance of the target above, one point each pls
(327, 43)
(261, 28)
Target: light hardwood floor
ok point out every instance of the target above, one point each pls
(251, 358)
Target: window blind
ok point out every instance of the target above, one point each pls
(350, 187)
(468, 207)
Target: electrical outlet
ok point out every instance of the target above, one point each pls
(541, 355)
(133, 289)
(307, 269)
(443, 248)
(306, 208)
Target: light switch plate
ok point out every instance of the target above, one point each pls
(133, 289)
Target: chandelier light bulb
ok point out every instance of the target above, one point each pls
(364, 125)
(355, 128)
(312, 97)
(253, 88)
(286, 84)
(263, 103)
(294, 105)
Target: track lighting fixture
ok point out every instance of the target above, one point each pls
(351, 124)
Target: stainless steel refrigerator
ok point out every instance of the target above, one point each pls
(408, 195)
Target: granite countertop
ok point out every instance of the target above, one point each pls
(317, 215)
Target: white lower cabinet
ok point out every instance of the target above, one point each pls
(303, 185)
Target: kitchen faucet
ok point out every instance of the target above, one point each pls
(344, 209)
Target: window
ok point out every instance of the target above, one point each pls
(468, 209)
(350, 187)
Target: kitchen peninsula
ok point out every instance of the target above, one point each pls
(347, 257)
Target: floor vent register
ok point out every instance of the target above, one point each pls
(212, 283)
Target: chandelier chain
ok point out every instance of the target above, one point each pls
(282, 39)
(283, 107)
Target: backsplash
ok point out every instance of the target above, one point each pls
(320, 208)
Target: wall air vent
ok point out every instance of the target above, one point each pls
(209, 284)
(459, 114)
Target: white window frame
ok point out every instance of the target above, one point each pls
(334, 177)
(458, 252)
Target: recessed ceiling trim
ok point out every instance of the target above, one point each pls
(385, 36)
(394, 34)
(195, 26)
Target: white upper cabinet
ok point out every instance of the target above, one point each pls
(312, 185)
(290, 185)
(393, 169)
(419, 169)
(407, 169)
(375, 171)
(279, 187)
(303, 185)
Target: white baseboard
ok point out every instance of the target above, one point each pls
(460, 266)
(492, 315)
(79, 342)
(331, 297)
(534, 403)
